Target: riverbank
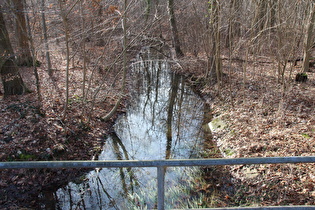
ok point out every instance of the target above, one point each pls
(265, 118)
(32, 131)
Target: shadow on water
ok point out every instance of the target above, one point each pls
(164, 121)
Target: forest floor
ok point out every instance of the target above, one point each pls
(30, 131)
(264, 117)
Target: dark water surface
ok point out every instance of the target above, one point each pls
(164, 121)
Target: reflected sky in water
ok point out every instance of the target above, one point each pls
(163, 121)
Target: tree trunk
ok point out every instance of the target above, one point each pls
(24, 57)
(11, 79)
(5, 44)
(84, 36)
(273, 10)
(217, 50)
(33, 54)
(261, 15)
(214, 57)
(173, 24)
(234, 27)
(44, 28)
(125, 44)
(66, 30)
(308, 40)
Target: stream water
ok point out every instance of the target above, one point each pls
(164, 121)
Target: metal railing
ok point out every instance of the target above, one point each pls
(161, 165)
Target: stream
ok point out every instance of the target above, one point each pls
(163, 121)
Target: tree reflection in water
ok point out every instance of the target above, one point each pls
(163, 121)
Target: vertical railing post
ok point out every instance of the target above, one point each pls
(161, 188)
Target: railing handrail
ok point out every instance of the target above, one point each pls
(161, 165)
(155, 163)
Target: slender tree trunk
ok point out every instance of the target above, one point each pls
(308, 40)
(234, 27)
(217, 49)
(44, 29)
(84, 36)
(66, 29)
(67, 66)
(173, 24)
(280, 37)
(33, 54)
(24, 57)
(125, 44)
(214, 57)
(273, 9)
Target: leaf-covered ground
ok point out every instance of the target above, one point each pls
(33, 131)
(264, 117)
